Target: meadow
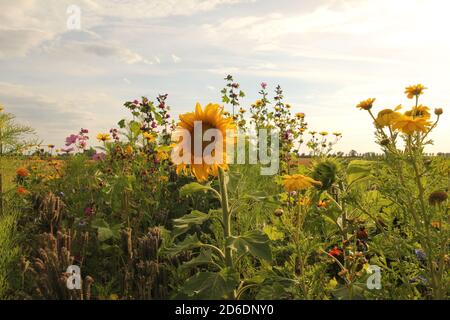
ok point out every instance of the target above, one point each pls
(139, 226)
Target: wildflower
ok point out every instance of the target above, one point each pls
(98, 156)
(312, 133)
(335, 252)
(337, 134)
(242, 110)
(71, 139)
(386, 117)
(323, 133)
(21, 191)
(113, 297)
(88, 211)
(298, 182)
(258, 103)
(385, 142)
(414, 91)
(438, 111)
(162, 155)
(22, 172)
(129, 150)
(163, 178)
(149, 137)
(263, 85)
(419, 112)
(366, 104)
(103, 137)
(211, 118)
(322, 204)
(300, 115)
(305, 201)
(437, 197)
(84, 131)
(409, 125)
(279, 212)
(51, 146)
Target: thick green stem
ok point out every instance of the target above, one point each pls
(226, 216)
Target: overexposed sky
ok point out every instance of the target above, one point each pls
(327, 56)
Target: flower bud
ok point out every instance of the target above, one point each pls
(438, 111)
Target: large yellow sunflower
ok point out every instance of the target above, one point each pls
(409, 125)
(298, 182)
(211, 117)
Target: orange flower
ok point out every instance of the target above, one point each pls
(22, 172)
(22, 191)
(322, 204)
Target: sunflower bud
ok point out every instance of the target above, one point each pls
(279, 212)
(437, 197)
(438, 111)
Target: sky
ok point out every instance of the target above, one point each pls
(327, 56)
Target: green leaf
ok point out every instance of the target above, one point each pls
(273, 233)
(188, 243)
(121, 123)
(211, 285)
(183, 224)
(193, 187)
(254, 242)
(104, 234)
(358, 170)
(205, 257)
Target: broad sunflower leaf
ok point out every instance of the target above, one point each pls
(254, 242)
(359, 170)
(183, 224)
(205, 257)
(188, 243)
(193, 187)
(211, 285)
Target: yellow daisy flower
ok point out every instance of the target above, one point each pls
(409, 125)
(103, 137)
(387, 117)
(415, 90)
(366, 104)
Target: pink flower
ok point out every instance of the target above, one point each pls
(84, 131)
(82, 144)
(263, 85)
(71, 139)
(88, 211)
(98, 156)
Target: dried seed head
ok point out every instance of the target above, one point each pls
(437, 197)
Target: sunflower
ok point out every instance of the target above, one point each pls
(298, 182)
(409, 125)
(414, 91)
(103, 137)
(387, 117)
(211, 117)
(366, 104)
(419, 112)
